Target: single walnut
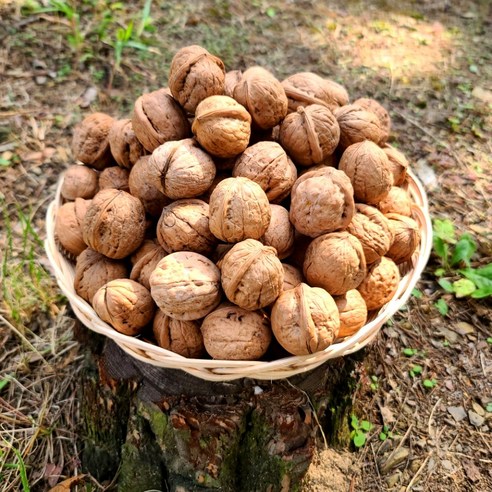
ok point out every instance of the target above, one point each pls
(146, 247)
(267, 164)
(68, 227)
(305, 320)
(406, 238)
(222, 126)
(252, 275)
(186, 285)
(367, 167)
(93, 270)
(353, 312)
(239, 209)
(310, 134)
(194, 75)
(305, 88)
(335, 262)
(397, 201)
(114, 224)
(398, 164)
(158, 118)
(280, 232)
(114, 177)
(146, 264)
(263, 96)
(357, 125)
(220, 176)
(231, 80)
(79, 182)
(373, 106)
(124, 144)
(184, 226)
(233, 333)
(142, 187)
(371, 228)
(292, 277)
(181, 169)
(125, 305)
(321, 201)
(380, 284)
(181, 337)
(90, 143)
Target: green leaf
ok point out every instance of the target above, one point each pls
(382, 436)
(482, 293)
(464, 250)
(417, 293)
(441, 248)
(429, 383)
(442, 307)
(489, 340)
(409, 352)
(417, 369)
(4, 382)
(271, 12)
(446, 285)
(482, 283)
(473, 68)
(365, 425)
(463, 287)
(439, 272)
(359, 439)
(485, 271)
(488, 408)
(444, 229)
(4, 162)
(354, 422)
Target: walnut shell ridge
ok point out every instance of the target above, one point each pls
(398, 164)
(375, 107)
(69, 226)
(114, 177)
(79, 182)
(146, 264)
(397, 201)
(232, 77)
(124, 144)
(406, 237)
(280, 232)
(353, 312)
(292, 277)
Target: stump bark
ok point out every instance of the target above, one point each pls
(165, 430)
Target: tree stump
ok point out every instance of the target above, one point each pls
(163, 429)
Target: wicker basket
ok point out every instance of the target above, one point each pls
(225, 370)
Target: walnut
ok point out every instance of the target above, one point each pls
(357, 125)
(397, 201)
(158, 118)
(186, 285)
(335, 262)
(292, 277)
(124, 144)
(222, 126)
(181, 169)
(267, 164)
(146, 264)
(371, 228)
(68, 227)
(321, 201)
(181, 337)
(184, 226)
(375, 107)
(367, 167)
(114, 177)
(231, 80)
(305, 320)
(142, 187)
(239, 209)
(263, 96)
(79, 182)
(233, 333)
(252, 275)
(114, 224)
(125, 305)
(280, 232)
(380, 284)
(406, 237)
(310, 134)
(90, 143)
(305, 88)
(146, 247)
(195, 74)
(398, 164)
(353, 312)
(93, 270)
(220, 176)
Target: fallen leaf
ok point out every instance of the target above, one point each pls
(471, 470)
(446, 333)
(458, 413)
(67, 484)
(463, 328)
(52, 473)
(387, 415)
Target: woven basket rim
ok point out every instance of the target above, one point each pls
(226, 370)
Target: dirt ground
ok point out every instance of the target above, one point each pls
(428, 62)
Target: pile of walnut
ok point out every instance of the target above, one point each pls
(232, 207)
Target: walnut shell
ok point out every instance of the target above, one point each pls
(353, 312)
(263, 96)
(184, 226)
(181, 337)
(357, 125)
(222, 126)
(292, 277)
(93, 270)
(321, 201)
(280, 232)
(114, 177)
(158, 118)
(398, 164)
(146, 247)
(310, 134)
(267, 164)
(397, 201)
(146, 264)
(79, 182)
(90, 143)
(335, 262)
(181, 169)
(380, 284)
(373, 106)
(367, 167)
(252, 275)
(125, 305)
(406, 237)
(186, 285)
(114, 224)
(239, 209)
(69, 225)
(231, 80)
(372, 229)
(124, 144)
(233, 333)
(305, 320)
(195, 74)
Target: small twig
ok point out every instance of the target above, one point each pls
(400, 444)
(431, 415)
(409, 486)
